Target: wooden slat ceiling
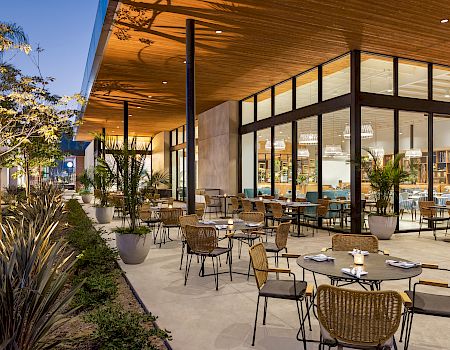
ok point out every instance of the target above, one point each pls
(262, 43)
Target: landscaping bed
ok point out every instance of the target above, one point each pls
(108, 314)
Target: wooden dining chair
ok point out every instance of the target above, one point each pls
(247, 206)
(170, 218)
(429, 214)
(343, 242)
(358, 319)
(292, 289)
(280, 244)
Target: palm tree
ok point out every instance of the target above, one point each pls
(12, 36)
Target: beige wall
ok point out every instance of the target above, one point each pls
(161, 151)
(218, 147)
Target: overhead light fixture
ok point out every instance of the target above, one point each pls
(308, 139)
(389, 90)
(138, 107)
(184, 62)
(130, 115)
(149, 96)
(378, 152)
(218, 32)
(447, 93)
(117, 126)
(303, 153)
(333, 151)
(412, 152)
(444, 20)
(278, 145)
(366, 131)
(164, 82)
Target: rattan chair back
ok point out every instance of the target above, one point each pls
(208, 200)
(346, 242)
(186, 220)
(324, 205)
(258, 257)
(301, 200)
(251, 216)
(144, 215)
(170, 201)
(277, 210)
(425, 210)
(201, 239)
(200, 210)
(359, 318)
(282, 234)
(234, 204)
(260, 207)
(241, 195)
(247, 205)
(157, 196)
(170, 216)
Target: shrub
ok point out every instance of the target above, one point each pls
(119, 329)
(97, 258)
(97, 289)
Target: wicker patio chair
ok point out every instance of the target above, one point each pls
(429, 214)
(290, 289)
(212, 206)
(278, 215)
(185, 220)
(200, 210)
(343, 242)
(418, 302)
(281, 236)
(234, 208)
(147, 216)
(203, 242)
(247, 206)
(170, 201)
(358, 319)
(170, 218)
(261, 207)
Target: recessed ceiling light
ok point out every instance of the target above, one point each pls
(339, 135)
(138, 107)
(130, 115)
(113, 131)
(400, 133)
(444, 20)
(389, 90)
(149, 96)
(447, 95)
(117, 126)
(164, 82)
(184, 62)
(218, 32)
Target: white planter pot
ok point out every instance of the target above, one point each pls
(87, 198)
(133, 249)
(382, 226)
(104, 215)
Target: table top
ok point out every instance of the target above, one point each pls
(340, 201)
(374, 264)
(242, 225)
(285, 203)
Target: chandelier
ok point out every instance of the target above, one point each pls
(303, 153)
(378, 152)
(278, 145)
(333, 151)
(413, 153)
(366, 131)
(308, 139)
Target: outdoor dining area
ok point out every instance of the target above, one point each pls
(349, 290)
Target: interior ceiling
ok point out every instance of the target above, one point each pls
(262, 43)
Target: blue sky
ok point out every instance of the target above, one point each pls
(63, 29)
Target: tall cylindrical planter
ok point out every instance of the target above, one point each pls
(382, 226)
(133, 249)
(104, 215)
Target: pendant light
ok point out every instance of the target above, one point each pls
(366, 131)
(412, 152)
(333, 150)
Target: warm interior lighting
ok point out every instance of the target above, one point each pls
(308, 139)
(444, 20)
(164, 82)
(278, 145)
(366, 131)
(413, 153)
(303, 153)
(138, 107)
(378, 152)
(149, 96)
(358, 259)
(130, 115)
(333, 151)
(218, 32)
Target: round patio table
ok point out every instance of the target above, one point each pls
(375, 265)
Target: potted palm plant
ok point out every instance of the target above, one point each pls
(133, 241)
(383, 178)
(86, 180)
(103, 181)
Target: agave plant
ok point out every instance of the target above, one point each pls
(156, 178)
(34, 273)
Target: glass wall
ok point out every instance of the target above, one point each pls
(307, 88)
(283, 97)
(413, 142)
(263, 167)
(307, 156)
(247, 161)
(441, 159)
(441, 83)
(377, 74)
(412, 79)
(283, 160)
(248, 110)
(264, 105)
(336, 77)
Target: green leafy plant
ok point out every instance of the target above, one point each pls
(383, 179)
(97, 289)
(33, 298)
(155, 179)
(86, 178)
(119, 329)
(104, 177)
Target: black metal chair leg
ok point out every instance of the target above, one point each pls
(256, 320)
(287, 259)
(265, 311)
(188, 267)
(408, 331)
(182, 253)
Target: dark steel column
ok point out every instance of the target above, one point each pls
(125, 146)
(272, 149)
(355, 142)
(190, 114)
(239, 164)
(396, 141)
(319, 137)
(255, 164)
(294, 143)
(103, 143)
(430, 135)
